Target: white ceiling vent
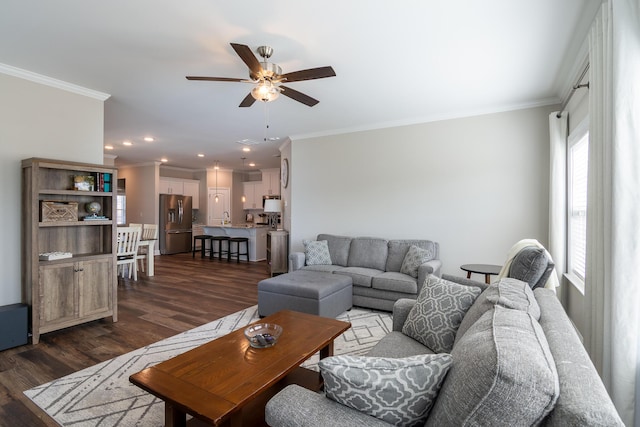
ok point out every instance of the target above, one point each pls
(249, 142)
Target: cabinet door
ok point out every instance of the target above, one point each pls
(271, 182)
(169, 186)
(250, 195)
(57, 293)
(95, 286)
(192, 188)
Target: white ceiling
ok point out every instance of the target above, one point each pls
(396, 62)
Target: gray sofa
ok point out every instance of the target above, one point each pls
(373, 264)
(468, 393)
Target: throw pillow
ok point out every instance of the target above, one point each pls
(508, 293)
(398, 391)
(413, 259)
(316, 252)
(503, 374)
(530, 265)
(438, 312)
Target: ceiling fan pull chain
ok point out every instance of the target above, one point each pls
(266, 121)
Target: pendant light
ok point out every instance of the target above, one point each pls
(244, 198)
(216, 167)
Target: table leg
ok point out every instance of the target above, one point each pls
(174, 417)
(487, 279)
(468, 275)
(150, 260)
(326, 351)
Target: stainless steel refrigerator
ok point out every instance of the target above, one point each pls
(175, 224)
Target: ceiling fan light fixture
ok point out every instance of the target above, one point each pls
(265, 91)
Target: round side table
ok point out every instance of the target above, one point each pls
(486, 269)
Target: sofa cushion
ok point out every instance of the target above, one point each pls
(508, 293)
(397, 282)
(396, 344)
(338, 248)
(438, 311)
(398, 249)
(368, 252)
(321, 267)
(503, 374)
(316, 252)
(398, 391)
(360, 276)
(529, 265)
(413, 259)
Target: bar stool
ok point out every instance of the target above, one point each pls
(220, 252)
(237, 254)
(203, 244)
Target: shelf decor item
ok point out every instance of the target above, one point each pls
(53, 211)
(84, 183)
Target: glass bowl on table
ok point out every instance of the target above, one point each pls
(263, 335)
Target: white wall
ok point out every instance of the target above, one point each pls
(38, 121)
(476, 185)
(141, 184)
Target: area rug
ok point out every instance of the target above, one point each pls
(102, 396)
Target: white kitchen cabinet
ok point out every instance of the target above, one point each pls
(253, 195)
(187, 187)
(192, 188)
(271, 181)
(171, 186)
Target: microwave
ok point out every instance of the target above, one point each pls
(269, 197)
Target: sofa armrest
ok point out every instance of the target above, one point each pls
(425, 269)
(296, 261)
(296, 406)
(465, 281)
(401, 309)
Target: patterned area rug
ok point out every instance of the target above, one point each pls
(103, 396)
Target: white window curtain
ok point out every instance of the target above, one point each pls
(613, 207)
(558, 195)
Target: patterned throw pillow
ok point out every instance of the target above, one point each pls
(316, 252)
(398, 391)
(413, 259)
(438, 312)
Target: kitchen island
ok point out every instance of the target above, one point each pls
(257, 235)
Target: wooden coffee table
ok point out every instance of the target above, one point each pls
(227, 382)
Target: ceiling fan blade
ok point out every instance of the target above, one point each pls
(216, 79)
(247, 101)
(244, 52)
(310, 74)
(298, 96)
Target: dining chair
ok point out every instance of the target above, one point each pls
(128, 241)
(149, 232)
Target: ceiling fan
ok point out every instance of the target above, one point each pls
(268, 77)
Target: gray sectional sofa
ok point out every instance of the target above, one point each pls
(516, 360)
(374, 266)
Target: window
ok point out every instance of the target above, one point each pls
(121, 209)
(578, 160)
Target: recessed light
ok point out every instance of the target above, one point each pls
(164, 160)
(252, 164)
(148, 138)
(108, 147)
(246, 149)
(127, 143)
(200, 155)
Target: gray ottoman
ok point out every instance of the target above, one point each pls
(313, 292)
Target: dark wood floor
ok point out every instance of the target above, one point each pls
(183, 294)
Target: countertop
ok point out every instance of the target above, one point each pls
(248, 225)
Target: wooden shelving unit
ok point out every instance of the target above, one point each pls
(66, 292)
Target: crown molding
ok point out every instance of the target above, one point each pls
(49, 81)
